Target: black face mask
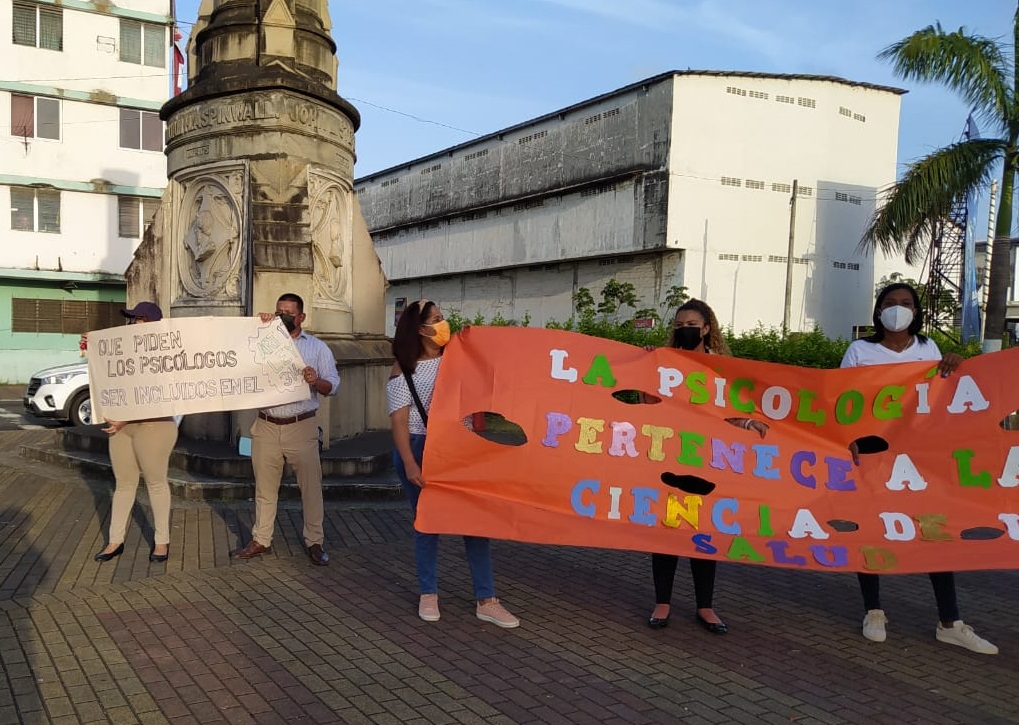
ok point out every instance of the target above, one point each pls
(687, 338)
(289, 321)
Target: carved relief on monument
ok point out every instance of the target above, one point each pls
(209, 233)
(330, 213)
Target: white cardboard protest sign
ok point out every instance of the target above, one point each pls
(192, 365)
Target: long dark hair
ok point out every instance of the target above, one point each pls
(716, 340)
(407, 345)
(914, 327)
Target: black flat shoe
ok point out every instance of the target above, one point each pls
(106, 557)
(658, 622)
(713, 627)
(159, 557)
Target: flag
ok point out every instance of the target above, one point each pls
(970, 298)
(178, 70)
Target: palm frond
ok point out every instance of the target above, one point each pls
(975, 67)
(922, 199)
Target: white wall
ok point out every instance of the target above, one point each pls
(87, 241)
(88, 61)
(718, 134)
(541, 292)
(89, 149)
(562, 228)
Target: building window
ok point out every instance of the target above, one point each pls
(143, 43)
(35, 117)
(66, 317)
(134, 214)
(731, 181)
(140, 130)
(35, 210)
(754, 184)
(38, 27)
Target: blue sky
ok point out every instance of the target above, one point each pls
(470, 67)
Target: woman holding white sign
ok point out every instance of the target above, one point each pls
(420, 337)
(898, 319)
(140, 447)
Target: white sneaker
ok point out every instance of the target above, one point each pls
(874, 625)
(428, 607)
(963, 635)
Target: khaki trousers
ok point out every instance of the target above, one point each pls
(142, 448)
(297, 444)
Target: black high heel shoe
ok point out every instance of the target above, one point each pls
(113, 554)
(153, 556)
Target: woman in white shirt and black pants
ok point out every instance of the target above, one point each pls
(898, 318)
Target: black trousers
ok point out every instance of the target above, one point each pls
(663, 569)
(944, 593)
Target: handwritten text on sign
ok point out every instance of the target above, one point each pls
(937, 487)
(192, 365)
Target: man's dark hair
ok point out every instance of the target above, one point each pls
(291, 297)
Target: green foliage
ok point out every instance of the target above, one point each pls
(806, 349)
(458, 321)
(617, 294)
(675, 297)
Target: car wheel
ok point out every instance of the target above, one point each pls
(81, 409)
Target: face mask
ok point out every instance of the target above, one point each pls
(442, 333)
(896, 318)
(688, 338)
(289, 321)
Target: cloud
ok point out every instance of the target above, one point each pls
(670, 17)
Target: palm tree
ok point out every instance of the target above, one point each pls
(986, 75)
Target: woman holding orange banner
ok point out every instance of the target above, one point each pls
(695, 329)
(420, 337)
(898, 319)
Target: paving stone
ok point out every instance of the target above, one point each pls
(280, 641)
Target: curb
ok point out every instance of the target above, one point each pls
(188, 488)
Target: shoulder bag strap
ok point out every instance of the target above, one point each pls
(417, 399)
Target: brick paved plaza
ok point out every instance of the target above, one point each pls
(202, 639)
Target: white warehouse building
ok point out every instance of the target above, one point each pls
(83, 167)
(683, 179)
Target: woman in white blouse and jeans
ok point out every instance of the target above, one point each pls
(420, 337)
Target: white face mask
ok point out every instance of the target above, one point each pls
(896, 318)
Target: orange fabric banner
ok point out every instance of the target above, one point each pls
(935, 490)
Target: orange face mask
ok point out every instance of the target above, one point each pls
(442, 333)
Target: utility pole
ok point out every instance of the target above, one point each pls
(787, 314)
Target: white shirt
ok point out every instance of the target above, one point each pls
(862, 352)
(399, 396)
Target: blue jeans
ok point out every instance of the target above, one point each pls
(426, 546)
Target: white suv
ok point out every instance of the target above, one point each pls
(62, 393)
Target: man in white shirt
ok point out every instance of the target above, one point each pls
(290, 433)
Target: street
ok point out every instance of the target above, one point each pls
(14, 417)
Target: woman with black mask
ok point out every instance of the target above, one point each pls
(695, 329)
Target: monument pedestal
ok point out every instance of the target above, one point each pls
(260, 202)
